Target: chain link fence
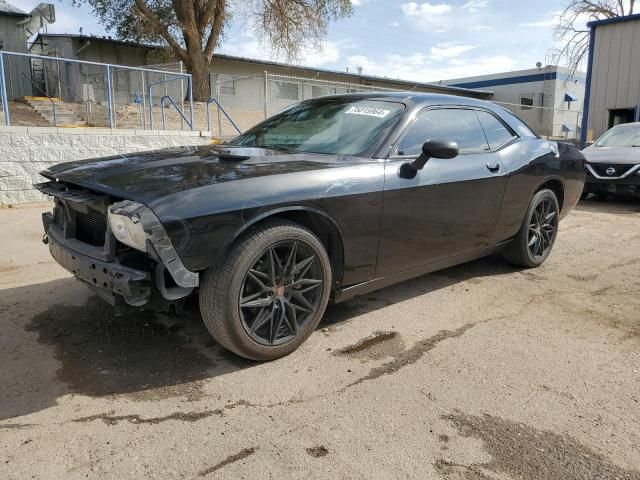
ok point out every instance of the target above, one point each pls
(51, 91)
(248, 100)
(45, 91)
(550, 123)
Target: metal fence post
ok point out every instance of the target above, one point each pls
(3, 91)
(191, 99)
(182, 96)
(149, 85)
(12, 93)
(266, 94)
(142, 117)
(109, 99)
(218, 99)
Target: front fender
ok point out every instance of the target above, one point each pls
(282, 210)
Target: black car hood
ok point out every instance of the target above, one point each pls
(152, 175)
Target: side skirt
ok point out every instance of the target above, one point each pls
(382, 282)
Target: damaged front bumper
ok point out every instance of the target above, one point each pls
(153, 278)
(107, 279)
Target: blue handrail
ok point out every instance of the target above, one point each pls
(160, 82)
(164, 120)
(53, 104)
(3, 92)
(213, 100)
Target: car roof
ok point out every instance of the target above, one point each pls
(413, 99)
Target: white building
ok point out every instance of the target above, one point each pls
(545, 98)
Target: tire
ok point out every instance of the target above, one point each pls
(273, 319)
(536, 237)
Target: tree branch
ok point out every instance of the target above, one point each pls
(161, 29)
(216, 29)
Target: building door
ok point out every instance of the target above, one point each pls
(622, 115)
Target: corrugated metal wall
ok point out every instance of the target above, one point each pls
(615, 82)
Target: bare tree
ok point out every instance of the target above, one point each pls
(193, 29)
(571, 27)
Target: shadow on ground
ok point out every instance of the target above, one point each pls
(142, 355)
(609, 204)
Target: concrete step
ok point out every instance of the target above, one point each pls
(44, 107)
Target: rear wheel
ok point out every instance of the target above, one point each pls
(537, 235)
(271, 292)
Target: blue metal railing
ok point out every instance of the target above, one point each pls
(109, 94)
(53, 103)
(161, 82)
(3, 92)
(220, 109)
(164, 119)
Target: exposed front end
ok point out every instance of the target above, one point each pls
(118, 248)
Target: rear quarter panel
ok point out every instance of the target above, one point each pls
(531, 163)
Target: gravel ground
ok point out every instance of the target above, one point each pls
(476, 372)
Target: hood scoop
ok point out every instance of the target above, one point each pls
(230, 157)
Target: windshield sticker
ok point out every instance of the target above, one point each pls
(368, 111)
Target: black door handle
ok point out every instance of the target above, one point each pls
(493, 167)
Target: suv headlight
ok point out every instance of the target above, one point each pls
(128, 229)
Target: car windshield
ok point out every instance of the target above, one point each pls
(331, 126)
(621, 137)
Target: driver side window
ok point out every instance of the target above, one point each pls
(459, 125)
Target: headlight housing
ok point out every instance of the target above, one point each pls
(128, 229)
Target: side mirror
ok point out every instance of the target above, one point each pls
(438, 148)
(434, 148)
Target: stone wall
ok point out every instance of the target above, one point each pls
(25, 151)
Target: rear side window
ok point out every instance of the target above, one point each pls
(458, 125)
(517, 124)
(497, 134)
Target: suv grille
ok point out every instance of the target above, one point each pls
(620, 169)
(91, 227)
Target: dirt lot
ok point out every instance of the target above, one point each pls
(477, 372)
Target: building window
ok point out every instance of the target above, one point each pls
(526, 102)
(285, 90)
(227, 84)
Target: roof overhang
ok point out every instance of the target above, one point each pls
(610, 21)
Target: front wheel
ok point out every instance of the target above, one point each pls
(271, 292)
(534, 242)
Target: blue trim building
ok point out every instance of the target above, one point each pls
(549, 101)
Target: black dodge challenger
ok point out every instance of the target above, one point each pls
(329, 199)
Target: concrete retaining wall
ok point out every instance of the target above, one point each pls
(25, 151)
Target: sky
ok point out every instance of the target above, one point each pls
(411, 40)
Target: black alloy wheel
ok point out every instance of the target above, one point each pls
(537, 235)
(280, 292)
(271, 292)
(543, 227)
